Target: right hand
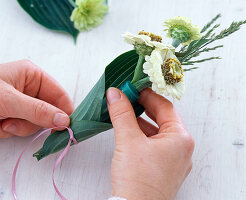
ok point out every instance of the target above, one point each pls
(149, 163)
(30, 99)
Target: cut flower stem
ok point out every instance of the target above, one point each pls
(139, 74)
(176, 42)
(142, 84)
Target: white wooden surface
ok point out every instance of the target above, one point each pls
(213, 107)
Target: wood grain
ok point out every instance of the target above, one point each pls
(213, 107)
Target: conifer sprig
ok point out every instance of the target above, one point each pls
(210, 23)
(197, 47)
(199, 61)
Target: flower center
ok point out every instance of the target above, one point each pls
(153, 37)
(172, 71)
(142, 49)
(180, 32)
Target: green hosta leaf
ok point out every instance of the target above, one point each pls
(83, 130)
(121, 69)
(90, 108)
(53, 14)
(85, 120)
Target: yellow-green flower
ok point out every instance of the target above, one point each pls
(88, 14)
(182, 29)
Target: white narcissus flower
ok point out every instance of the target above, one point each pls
(165, 72)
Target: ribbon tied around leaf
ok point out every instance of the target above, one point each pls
(62, 155)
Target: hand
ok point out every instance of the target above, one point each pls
(149, 163)
(30, 99)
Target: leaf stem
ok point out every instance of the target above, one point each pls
(72, 3)
(139, 74)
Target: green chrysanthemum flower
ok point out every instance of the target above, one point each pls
(182, 29)
(88, 14)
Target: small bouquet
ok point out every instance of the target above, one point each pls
(151, 64)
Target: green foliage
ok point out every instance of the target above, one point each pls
(197, 47)
(207, 50)
(52, 14)
(190, 69)
(199, 61)
(86, 119)
(210, 23)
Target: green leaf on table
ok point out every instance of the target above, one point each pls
(85, 120)
(52, 14)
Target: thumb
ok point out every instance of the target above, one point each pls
(122, 115)
(37, 111)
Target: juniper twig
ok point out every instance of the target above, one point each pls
(206, 50)
(190, 69)
(199, 61)
(210, 23)
(200, 44)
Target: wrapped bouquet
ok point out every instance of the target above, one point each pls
(151, 63)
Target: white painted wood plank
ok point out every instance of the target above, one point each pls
(213, 107)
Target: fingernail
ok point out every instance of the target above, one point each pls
(10, 128)
(61, 119)
(113, 95)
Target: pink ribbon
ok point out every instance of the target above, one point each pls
(63, 154)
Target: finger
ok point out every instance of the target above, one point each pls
(122, 115)
(57, 96)
(49, 90)
(189, 169)
(159, 107)
(3, 134)
(150, 116)
(19, 127)
(33, 81)
(148, 128)
(34, 110)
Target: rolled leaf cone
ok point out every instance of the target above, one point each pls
(91, 117)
